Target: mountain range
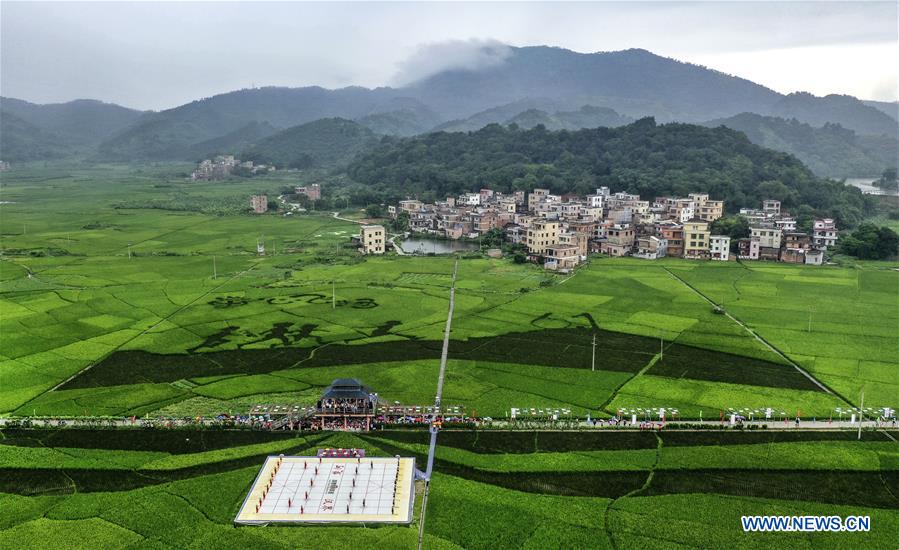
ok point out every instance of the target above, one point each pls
(553, 87)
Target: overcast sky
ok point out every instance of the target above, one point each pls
(160, 55)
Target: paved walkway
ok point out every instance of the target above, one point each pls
(440, 377)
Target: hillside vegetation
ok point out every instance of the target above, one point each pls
(829, 151)
(322, 143)
(643, 157)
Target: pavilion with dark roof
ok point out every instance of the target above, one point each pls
(348, 401)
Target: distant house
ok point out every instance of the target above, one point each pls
(312, 192)
(651, 248)
(673, 233)
(768, 235)
(259, 203)
(541, 234)
(372, 239)
(561, 257)
(825, 233)
(696, 238)
(719, 247)
(619, 241)
(748, 249)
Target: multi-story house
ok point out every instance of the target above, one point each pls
(748, 249)
(410, 206)
(696, 239)
(259, 203)
(651, 248)
(705, 208)
(469, 199)
(578, 240)
(312, 192)
(825, 233)
(785, 224)
(771, 207)
(373, 239)
(535, 196)
(619, 241)
(673, 233)
(561, 257)
(768, 235)
(719, 247)
(541, 234)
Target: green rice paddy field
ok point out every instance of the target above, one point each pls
(109, 306)
(493, 490)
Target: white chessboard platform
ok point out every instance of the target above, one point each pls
(309, 489)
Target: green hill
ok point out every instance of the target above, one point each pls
(23, 141)
(322, 143)
(643, 157)
(830, 150)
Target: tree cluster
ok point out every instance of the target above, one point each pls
(870, 242)
(644, 158)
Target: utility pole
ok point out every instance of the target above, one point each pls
(861, 415)
(214, 271)
(810, 319)
(333, 296)
(593, 358)
(661, 347)
(129, 251)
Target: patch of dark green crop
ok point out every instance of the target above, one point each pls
(38, 481)
(854, 488)
(682, 361)
(564, 348)
(169, 441)
(741, 437)
(596, 484)
(577, 484)
(523, 442)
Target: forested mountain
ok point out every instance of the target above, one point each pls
(635, 83)
(400, 117)
(629, 84)
(167, 133)
(23, 141)
(33, 132)
(530, 113)
(891, 108)
(642, 157)
(325, 143)
(81, 121)
(830, 151)
(232, 143)
(844, 110)
(585, 117)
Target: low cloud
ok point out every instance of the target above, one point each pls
(430, 59)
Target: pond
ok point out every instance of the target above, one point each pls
(412, 245)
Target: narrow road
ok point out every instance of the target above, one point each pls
(440, 377)
(336, 216)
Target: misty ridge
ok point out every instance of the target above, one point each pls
(464, 86)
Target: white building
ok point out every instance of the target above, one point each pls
(719, 247)
(373, 239)
(768, 237)
(825, 233)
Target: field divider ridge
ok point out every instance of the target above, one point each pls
(765, 342)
